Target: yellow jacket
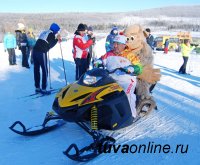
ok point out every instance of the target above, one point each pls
(185, 50)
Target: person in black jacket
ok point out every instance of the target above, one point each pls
(22, 43)
(47, 40)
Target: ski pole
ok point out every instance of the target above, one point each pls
(49, 72)
(63, 62)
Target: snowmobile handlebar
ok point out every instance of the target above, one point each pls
(121, 69)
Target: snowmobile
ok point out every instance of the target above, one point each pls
(94, 102)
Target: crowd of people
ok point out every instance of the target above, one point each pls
(83, 43)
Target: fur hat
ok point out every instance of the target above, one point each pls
(81, 27)
(54, 27)
(20, 26)
(120, 39)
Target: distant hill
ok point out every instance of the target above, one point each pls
(165, 18)
(171, 11)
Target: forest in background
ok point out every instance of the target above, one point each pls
(172, 18)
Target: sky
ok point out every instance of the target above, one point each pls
(46, 6)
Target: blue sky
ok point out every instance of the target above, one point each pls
(37, 6)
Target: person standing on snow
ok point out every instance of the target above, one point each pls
(10, 46)
(166, 45)
(90, 52)
(149, 38)
(80, 52)
(109, 39)
(47, 40)
(185, 50)
(22, 43)
(31, 43)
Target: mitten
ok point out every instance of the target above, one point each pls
(58, 36)
(129, 69)
(150, 75)
(93, 39)
(98, 63)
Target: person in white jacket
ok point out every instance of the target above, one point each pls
(116, 58)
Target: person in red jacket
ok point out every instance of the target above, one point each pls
(80, 52)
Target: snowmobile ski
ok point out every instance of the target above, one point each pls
(40, 129)
(100, 144)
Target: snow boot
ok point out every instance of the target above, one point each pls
(45, 92)
(38, 90)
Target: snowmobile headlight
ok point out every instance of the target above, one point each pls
(87, 79)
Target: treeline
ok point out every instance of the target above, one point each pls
(168, 18)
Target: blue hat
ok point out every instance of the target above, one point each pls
(54, 27)
(115, 28)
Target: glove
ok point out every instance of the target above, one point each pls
(5, 50)
(15, 47)
(98, 63)
(58, 36)
(93, 39)
(129, 69)
(150, 75)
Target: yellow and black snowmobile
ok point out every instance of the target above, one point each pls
(94, 102)
(95, 97)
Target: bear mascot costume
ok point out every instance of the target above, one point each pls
(138, 47)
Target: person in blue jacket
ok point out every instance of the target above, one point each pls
(31, 43)
(10, 46)
(110, 38)
(47, 40)
(149, 38)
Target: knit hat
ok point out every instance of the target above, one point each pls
(20, 26)
(148, 30)
(90, 28)
(120, 39)
(114, 30)
(81, 27)
(54, 27)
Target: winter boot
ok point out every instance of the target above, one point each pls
(45, 92)
(38, 90)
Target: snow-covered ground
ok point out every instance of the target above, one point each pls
(176, 122)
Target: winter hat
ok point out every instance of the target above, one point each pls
(114, 30)
(120, 39)
(81, 27)
(20, 26)
(148, 30)
(54, 27)
(86, 27)
(90, 28)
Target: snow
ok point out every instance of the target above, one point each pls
(177, 120)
